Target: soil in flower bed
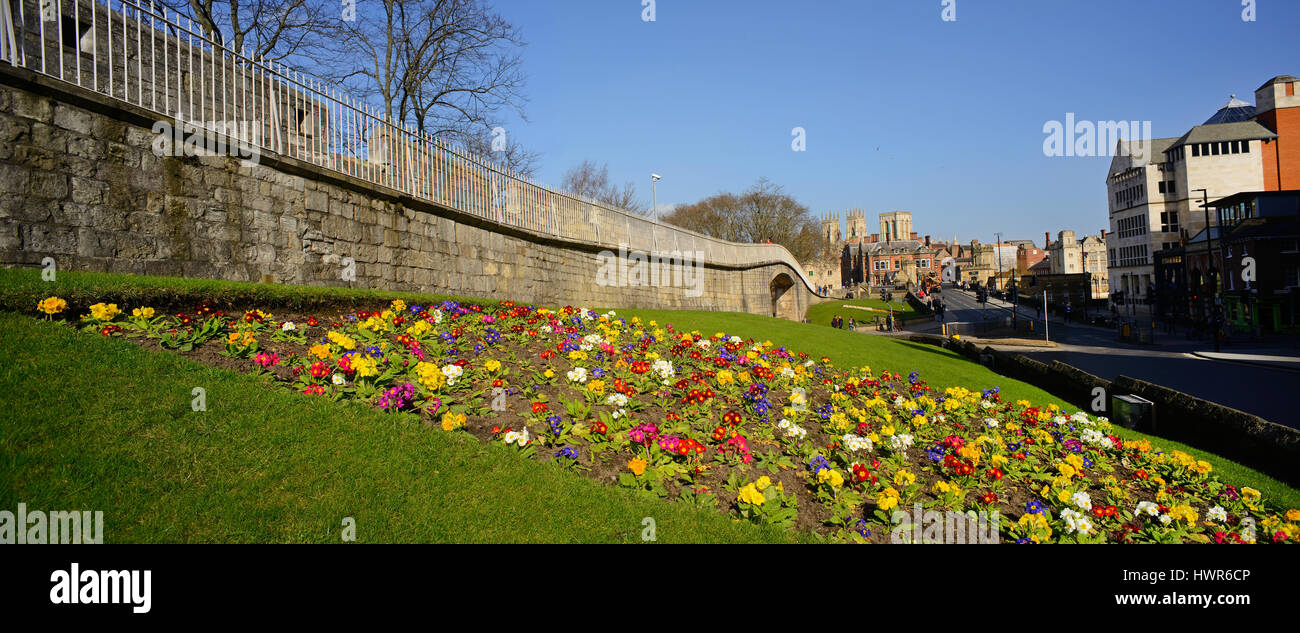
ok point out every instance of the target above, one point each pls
(748, 427)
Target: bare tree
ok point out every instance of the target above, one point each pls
(501, 148)
(762, 213)
(442, 66)
(268, 29)
(592, 181)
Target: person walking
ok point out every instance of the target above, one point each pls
(852, 324)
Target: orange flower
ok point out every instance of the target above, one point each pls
(637, 465)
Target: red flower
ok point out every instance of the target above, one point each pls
(540, 407)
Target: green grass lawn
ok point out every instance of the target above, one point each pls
(821, 313)
(101, 424)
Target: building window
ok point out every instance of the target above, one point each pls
(1169, 221)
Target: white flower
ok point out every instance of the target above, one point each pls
(521, 437)
(546, 329)
(1082, 500)
(1165, 519)
(437, 316)
(452, 372)
(1217, 514)
(1147, 508)
(735, 340)
(856, 443)
(987, 404)
(617, 399)
(787, 372)
(991, 423)
(783, 424)
(577, 374)
(288, 326)
(704, 343)
(900, 443)
(664, 368)
(1076, 522)
(339, 379)
(1093, 436)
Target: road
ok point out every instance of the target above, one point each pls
(1250, 388)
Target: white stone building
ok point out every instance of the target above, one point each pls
(1153, 188)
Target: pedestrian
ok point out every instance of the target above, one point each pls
(852, 324)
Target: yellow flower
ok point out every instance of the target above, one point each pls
(492, 365)
(1250, 495)
(1293, 515)
(452, 421)
(837, 479)
(52, 305)
(763, 482)
(321, 351)
(142, 313)
(341, 340)
(1184, 512)
(887, 430)
(242, 339)
(549, 373)
(597, 387)
(365, 366)
(1075, 460)
(726, 377)
(430, 376)
(398, 305)
(887, 499)
(903, 478)
(941, 487)
(637, 466)
(749, 494)
(104, 311)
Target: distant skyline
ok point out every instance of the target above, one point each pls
(902, 110)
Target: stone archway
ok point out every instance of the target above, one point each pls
(783, 298)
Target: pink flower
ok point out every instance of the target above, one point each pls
(267, 359)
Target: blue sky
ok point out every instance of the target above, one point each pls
(902, 110)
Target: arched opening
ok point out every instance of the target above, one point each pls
(783, 297)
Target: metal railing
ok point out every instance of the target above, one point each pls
(163, 61)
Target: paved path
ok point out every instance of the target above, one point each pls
(1253, 379)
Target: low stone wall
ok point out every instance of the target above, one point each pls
(1268, 447)
(80, 183)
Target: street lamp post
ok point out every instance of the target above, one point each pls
(1212, 296)
(654, 192)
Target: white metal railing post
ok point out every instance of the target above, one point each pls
(8, 42)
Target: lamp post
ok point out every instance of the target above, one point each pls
(1212, 296)
(654, 192)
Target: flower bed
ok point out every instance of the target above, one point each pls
(747, 427)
